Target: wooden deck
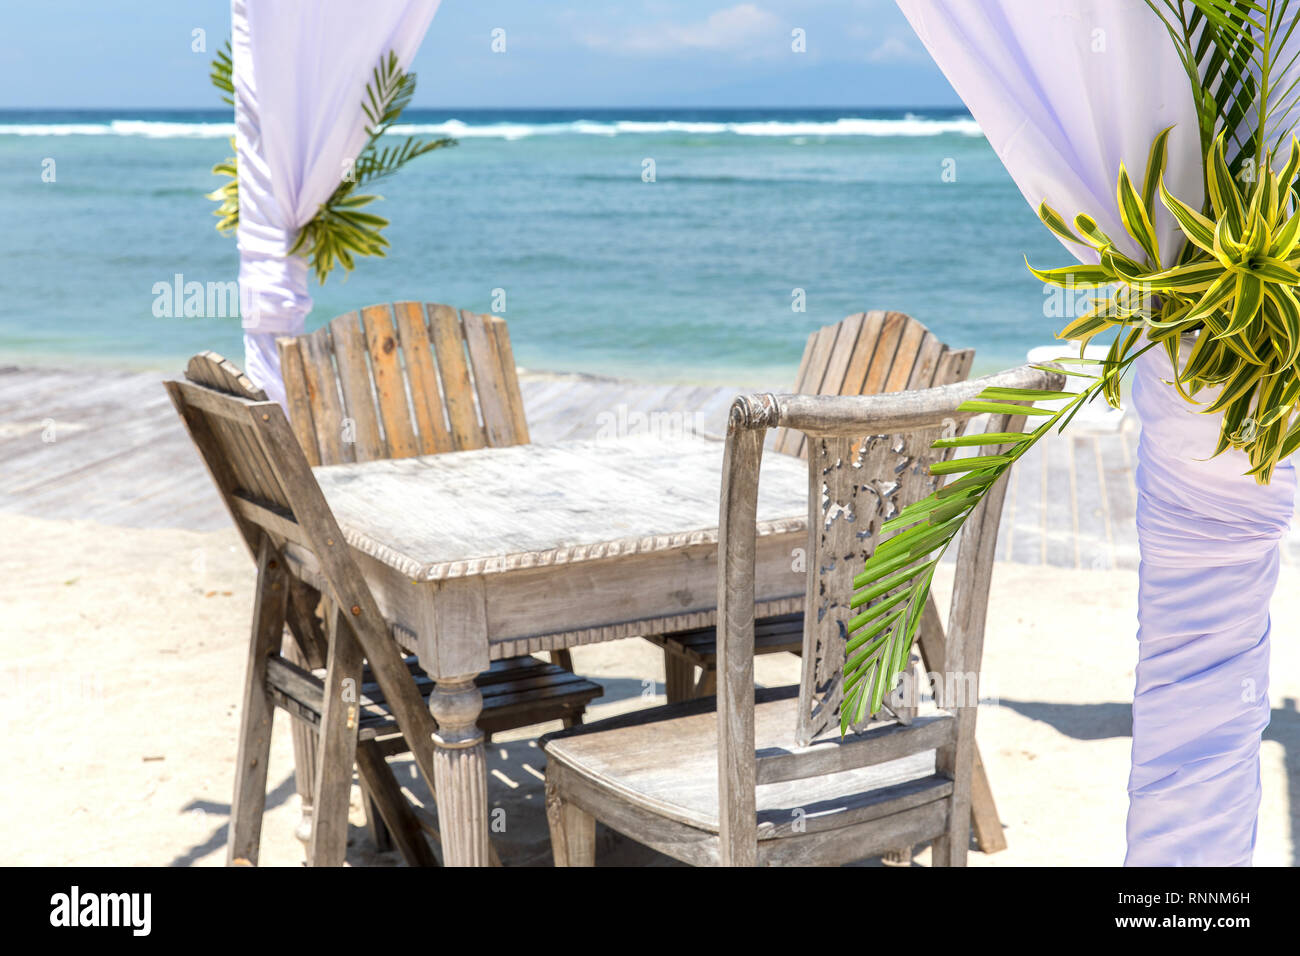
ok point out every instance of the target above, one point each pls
(107, 447)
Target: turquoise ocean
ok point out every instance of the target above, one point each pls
(689, 278)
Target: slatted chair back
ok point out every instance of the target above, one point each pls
(263, 477)
(870, 353)
(406, 379)
(394, 381)
(869, 457)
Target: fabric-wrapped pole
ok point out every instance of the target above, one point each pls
(1209, 539)
(1065, 90)
(300, 74)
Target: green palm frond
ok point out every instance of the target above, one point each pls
(376, 164)
(1216, 53)
(891, 592)
(341, 230)
(1236, 55)
(223, 74)
(227, 195)
(1264, 29)
(389, 92)
(387, 95)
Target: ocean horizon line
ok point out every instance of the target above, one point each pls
(513, 124)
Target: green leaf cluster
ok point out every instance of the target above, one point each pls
(1232, 294)
(227, 194)
(342, 228)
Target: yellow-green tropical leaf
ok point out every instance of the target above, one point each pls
(1244, 381)
(1284, 242)
(1215, 297)
(1189, 278)
(1283, 300)
(1083, 276)
(1137, 221)
(1086, 326)
(1155, 171)
(1287, 177)
(1274, 270)
(1228, 250)
(1091, 234)
(1224, 197)
(1054, 221)
(1198, 229)
(1246, 302)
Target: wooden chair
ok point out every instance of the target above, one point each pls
(767, 779)
(865, 354)
(394, 381)
(406, 379)
(267, 485)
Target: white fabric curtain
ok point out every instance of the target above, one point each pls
(300, 72)
(1064, 90)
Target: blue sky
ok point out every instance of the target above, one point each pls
(579, 53)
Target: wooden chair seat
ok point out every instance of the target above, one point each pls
(662, 765)
(517, 692)
(699, 646)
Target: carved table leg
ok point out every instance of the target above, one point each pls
(460, 771)
(900, 857)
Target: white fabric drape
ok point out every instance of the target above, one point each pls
(1065, 90)
(300, 72)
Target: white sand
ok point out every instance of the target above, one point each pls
(124, 653)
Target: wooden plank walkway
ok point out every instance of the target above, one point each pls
(106, 446)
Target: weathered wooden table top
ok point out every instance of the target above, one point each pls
(492, 510)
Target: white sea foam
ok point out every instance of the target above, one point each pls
(54, 129)
(151, 129)
(161, 130)
(909, 125)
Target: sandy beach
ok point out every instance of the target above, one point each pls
(124, 652)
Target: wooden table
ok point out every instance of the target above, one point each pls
(493, 553)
